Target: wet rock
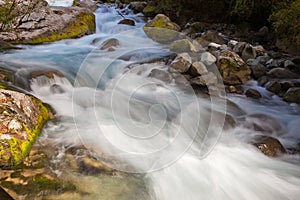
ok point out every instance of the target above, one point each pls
(252, 93)
(56, 89)
(232, 68)
(292, 95)
(128, 22)
(181, 46)
(268, 145)
(110, 43)
(161, 75)
(248, 52)
(274, 86)
(262, 80)
(207, 58)
(49, 73)
(197, 69)
(282, 73)
(162, 21)
(181, 63)
(22, 119)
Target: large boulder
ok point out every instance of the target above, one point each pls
(161, 29)
(233, 69)
(282, 73)
(22, 118)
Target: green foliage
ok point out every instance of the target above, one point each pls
(286, 22)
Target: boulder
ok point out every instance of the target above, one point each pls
(181, 46)
(181, 64)
(268, 145)
(213, 36)
(161, 29)
(252, 93)
(205, 80)
(233, 69)
(282, 74)
(292, 95)
(207, 58)
(274, 86)
(22, 118)
(197, 69)
(258, 70)
(128, 22)
(290, 65)
(248, 52)
(110, 43)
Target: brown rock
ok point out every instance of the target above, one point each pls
(268, 145)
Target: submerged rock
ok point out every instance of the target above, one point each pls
(22, 118)
(110, 43)
(128, 22)
(252, 93)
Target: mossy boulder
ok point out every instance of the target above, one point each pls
(161, 29)
(233, 69)
(21, 120)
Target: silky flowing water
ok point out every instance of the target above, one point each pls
(171, 137)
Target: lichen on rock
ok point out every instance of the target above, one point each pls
(21, 120)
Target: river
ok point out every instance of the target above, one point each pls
(174, 137)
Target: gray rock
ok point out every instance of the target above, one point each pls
(205, 80)
(181, 46)
(282, 74)
(197, 69)
(252, 93)
(181, 63)
(239, 47)
(292, 95)
(258, 70)
(207, 58)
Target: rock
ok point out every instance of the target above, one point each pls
(181, 63)
(197, 69)
(292, 95)
(252, 93)
(85, 4)
(289, 65)
(213, 46)
(128, 22)
(150, 10)
(232, 43)
(214, 36)
(268, 145)
(207, 58)
(259, 50)
(202, 42)
(181, 46)
(258, 70)
(138, 6)
(161, 29)
(110, 43)
(205, 80)
(49, 73)
(22, 118)
(282, 73)
(161, 75)
(262, 80)
(274, 63)
(248, 52)
(239, 47)
(162, 21)
(263, 59)
(232, 68)
(274, 86)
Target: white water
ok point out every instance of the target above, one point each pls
(150, 126)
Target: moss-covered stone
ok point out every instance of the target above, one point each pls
(22, 119)
(85, 24)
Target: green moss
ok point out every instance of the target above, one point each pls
(85, 24)
(150, 9)
(39, 185)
